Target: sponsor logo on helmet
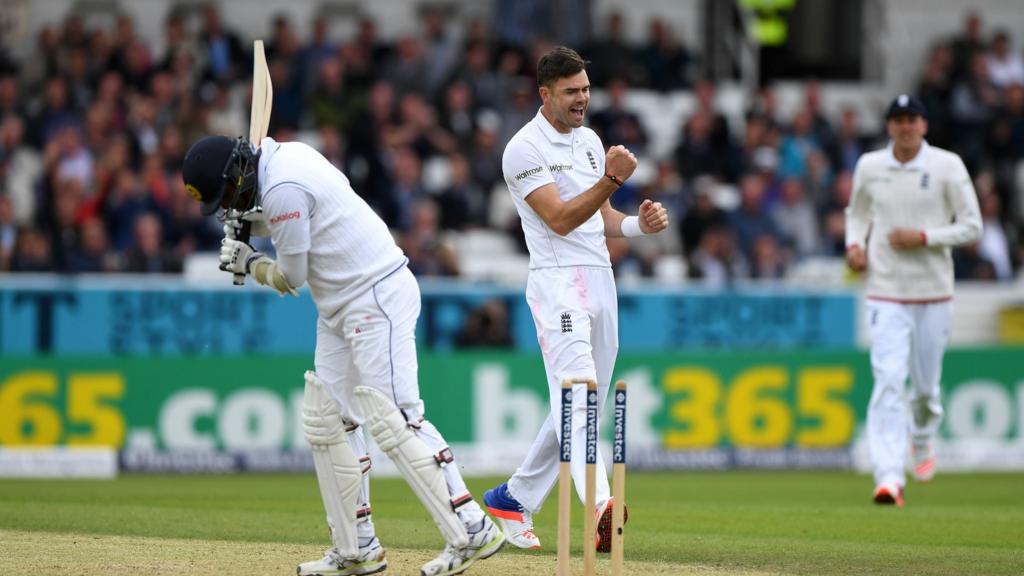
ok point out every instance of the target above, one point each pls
(193, 192)
(286, 216)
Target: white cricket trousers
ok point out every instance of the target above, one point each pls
(905, 339)
(374, 344)
(575, 311)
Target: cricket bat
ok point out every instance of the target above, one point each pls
(259, 120)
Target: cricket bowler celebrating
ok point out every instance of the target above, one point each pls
(561, 179)
(365, 363)
(911, 203)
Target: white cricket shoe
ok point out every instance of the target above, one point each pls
(924, 461)
(369, 561)
(889, 494)
(483, 543)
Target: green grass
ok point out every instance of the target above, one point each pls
(735, 522)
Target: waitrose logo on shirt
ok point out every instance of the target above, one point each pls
(528, 173)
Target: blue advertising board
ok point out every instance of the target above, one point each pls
(168, 318)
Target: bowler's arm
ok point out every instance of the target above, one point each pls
(564, 217)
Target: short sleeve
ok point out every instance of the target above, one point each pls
(286, 210)
(524, 168)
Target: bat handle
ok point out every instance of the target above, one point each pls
(244, 233)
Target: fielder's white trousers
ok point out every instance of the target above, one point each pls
(374, 344)
(575, 311)
(906, 339)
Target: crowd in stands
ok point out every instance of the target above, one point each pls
(94, 126)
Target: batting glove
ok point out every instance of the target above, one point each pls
(237, 257)
(255, 217)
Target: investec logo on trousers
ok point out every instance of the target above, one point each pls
(528, 173)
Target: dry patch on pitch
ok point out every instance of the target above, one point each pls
(53, 553)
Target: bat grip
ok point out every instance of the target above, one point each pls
(244, 233)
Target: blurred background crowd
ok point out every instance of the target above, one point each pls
(94, 126)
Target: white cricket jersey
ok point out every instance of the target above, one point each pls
(538, 155)
(309, 206)
(933, 192)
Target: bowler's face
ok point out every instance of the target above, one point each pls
(568, 99)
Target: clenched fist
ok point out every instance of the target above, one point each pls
(620, 162)
(906, 239)
(856, 259)
(652, 216)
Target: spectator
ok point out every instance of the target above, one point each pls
(668, 65)
(834, 215)
(798, 145)
(702, 216)
(54, 114)
(968, 45)
(769, 261)
(716, 263)
(91, 254)
(31, 252)
(821, 127)
(8, 233)
(486, 326)
(456, 114)
(319, 48)
(1005, 67)
(994, 246)
(20, 169)
(148, 254)
(428, 254)
(221, 47)
(475, 70)
(616, 124)
(796, 221)
(611, 57)
(439, 47)
(331, 104)
(485, 158)
(751, 219)
(462, 204)
(407, 68)
(849, 143)
(407, 191)
(936, 92)
(974, 100)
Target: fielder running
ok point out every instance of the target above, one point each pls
(368, 303)
(560, 179)
(911, 203)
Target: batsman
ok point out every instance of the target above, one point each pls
(368, 303)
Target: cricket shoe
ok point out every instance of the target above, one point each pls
(603, 538)
(516, 522)
(369, 561)
(483, 544)
(924, 461)
(888, 494)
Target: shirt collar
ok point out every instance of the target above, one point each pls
(916, 163)
(554, 136)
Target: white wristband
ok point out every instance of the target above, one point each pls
(631, 227)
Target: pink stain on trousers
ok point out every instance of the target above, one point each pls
(581, 289)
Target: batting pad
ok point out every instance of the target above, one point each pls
(338, 470)
(422, 471)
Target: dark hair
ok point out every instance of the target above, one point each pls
(560, 62)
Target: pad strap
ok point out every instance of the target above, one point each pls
(420, 466)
